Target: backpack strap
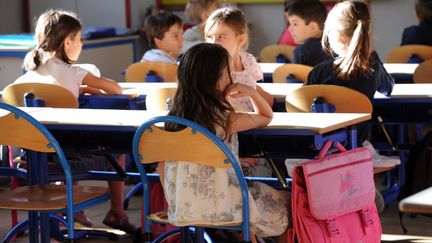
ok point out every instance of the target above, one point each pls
(368, 221)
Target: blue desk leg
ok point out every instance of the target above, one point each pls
(352, 137)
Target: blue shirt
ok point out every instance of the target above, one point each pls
(158, 55)
(420, 34)
(310, 53)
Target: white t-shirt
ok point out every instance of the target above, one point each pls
(55, 71)
(158, 55)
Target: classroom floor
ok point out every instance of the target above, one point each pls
(419, 228)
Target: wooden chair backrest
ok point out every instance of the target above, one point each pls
(270, 52)
(17, 131)
(344, 99)
(299, 71)
(401, 54)
(137, 72)
(157, 99)
(53, 95)
(423, 73)
(185, 145)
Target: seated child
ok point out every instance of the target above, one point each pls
(420, 34)
(58, 46)
(306, 20)
(198, 11)
(164, 32)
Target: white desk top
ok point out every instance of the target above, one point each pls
(318, 123)
(420, 202)
(280, 90)
(405, 68)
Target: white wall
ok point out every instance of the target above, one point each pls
(266, 20)
(10, 17)
(389, 18)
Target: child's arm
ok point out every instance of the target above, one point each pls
(268, 97)
(244, 121)
(106, 86)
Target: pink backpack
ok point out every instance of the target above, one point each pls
(333, 198)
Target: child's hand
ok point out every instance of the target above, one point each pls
(237, 90)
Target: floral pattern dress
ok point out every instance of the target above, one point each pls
(248, 76)
(198, 194)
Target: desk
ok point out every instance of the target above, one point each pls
(116, 127)
(111, 55)
(419, 202)
(398, 70)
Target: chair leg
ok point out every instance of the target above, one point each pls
(130, 194)
(19, 227)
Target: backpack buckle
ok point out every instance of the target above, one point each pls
(366, 216)
(332, 227)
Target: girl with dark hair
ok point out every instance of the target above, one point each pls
(204, 89)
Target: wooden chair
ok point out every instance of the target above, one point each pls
(20, 129)
(157, 100)
(194, 144)
(298, 72)
(53, 95)
(344, 99)
(137, 72)
(270, 52)
(423, 73)
(402, 54)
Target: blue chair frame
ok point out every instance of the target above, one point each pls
(147, 127)
(52, 146)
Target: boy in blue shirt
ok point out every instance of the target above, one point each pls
(164, 31)
(420, 34)
(306, 20)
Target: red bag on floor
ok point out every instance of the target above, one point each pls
(333, 198)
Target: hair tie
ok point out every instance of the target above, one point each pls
(359, 22)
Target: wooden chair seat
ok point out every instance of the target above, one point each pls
(299, 72)
(270, 52)
(53, 95)
(162, 218)
(423, 73)
(344, 99)
(157, 100)
(401, 54)
(137, 72)
(47, 197)
(377, 170)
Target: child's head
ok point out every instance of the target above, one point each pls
(227, 27)
(164, 31)
(306, 19)
(199, 10)
(203, 74)
(424, 10)
(347, 33)
(58, 33)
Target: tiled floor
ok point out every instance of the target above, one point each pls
(418, 227)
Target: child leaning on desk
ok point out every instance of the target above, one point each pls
(164, 32)
(205, 87)
(227, 27)
(58, 46)
(420, 34)
(306, 23)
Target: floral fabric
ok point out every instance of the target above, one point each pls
(198, 194)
